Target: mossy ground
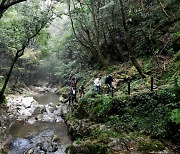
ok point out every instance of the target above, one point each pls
(141, 122)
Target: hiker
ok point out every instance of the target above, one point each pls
(108, 82)
(72, 97)
(97, 84)
(81, 91)
(74, 82)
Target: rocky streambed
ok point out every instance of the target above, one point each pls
(32, 127)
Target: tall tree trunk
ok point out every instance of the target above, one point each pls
(129, 44)
(7, 79)
(19, 53)
(101, 58)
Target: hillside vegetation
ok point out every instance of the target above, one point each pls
(50, 42)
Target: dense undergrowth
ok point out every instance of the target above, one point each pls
(144, 121)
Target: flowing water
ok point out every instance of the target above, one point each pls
(40, 137)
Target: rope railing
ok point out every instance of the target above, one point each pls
(151, 84)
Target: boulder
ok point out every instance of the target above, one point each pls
(37, 111)
(63, 99)
(31, 120)
(27, 101)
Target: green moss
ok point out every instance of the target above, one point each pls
(98, 148)
(152, 146)
(175, 116)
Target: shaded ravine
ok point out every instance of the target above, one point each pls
(42, 132)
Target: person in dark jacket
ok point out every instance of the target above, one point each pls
(108, 82)
(72, 97)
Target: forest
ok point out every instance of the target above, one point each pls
(52, 52)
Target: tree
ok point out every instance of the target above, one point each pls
(28, 26)
(87, 35)
(5, 4)
(129, 44)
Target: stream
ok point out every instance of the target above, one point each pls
(39, 128)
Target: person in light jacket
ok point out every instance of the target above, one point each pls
(97, 84)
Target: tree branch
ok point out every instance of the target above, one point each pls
(11, 4)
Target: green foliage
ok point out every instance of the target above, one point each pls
(98, 148)
(177, 56)
(152, 146)
(146, 112)
(175, 115)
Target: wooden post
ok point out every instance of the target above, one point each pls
(152, 80)
(129, 87)
(112, 91)
(176, 81)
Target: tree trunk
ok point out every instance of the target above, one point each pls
(7, 79)
(102, 61)
(4, 5)
(129, 44)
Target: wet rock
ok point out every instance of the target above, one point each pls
(58, 111)
(31, 120)
(25, 112)
(22, 118)
(7, 142)
(20, 145)
(56, 138)
(52, 105)
(53, 148)
(45, 142)
(59, 119)
(27, 101)
(30, 151)
(38, 150)
(63, 100)
(37, 111)
(47, 117)
(45, 146)
(39, 117)
(53, 90)
(50, 109)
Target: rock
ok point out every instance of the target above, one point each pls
(53, 148)
(39, 151)
(64, 95)
(59, 119)
(116, 148)
(57, 112)
(53, 90)
(25, 112)
(30, 151)
(47, 117)
(7, 142)
(56, 138)
(45, 146)
(37, 111)
(51, 109)
(22, 118)
(31, 120)
(102, 127)
(39, 117)
(63, 100)
(27, 101)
